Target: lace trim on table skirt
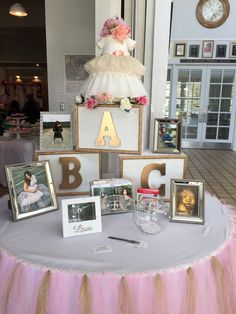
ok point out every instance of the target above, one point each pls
(114, 64)
(118, 85)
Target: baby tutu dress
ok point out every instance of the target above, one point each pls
(115, 72)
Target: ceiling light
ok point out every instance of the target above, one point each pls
(36, 79)
(18, 79)
(17, 10)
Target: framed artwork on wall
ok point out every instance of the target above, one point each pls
(194, 51)
(207, 48)
(221, 51)
(232, 50)
(179, 49)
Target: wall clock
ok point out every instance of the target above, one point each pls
(212, 13)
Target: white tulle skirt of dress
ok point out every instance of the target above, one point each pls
(116, 75)
(119, 85)
(29, 201)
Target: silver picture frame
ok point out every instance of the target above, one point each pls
(31, 189)
(187, 201)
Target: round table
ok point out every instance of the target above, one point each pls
(186, 268)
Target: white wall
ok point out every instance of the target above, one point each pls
(186, 26)
(70, 29)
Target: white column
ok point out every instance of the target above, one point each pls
(160, 60)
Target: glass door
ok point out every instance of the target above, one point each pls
(203, 98)
(218, 116)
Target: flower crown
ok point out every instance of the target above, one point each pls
(116, 27)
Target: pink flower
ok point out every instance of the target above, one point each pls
(91, 103)
(110, 26)
(118, 53)
(142, 100)
(104, 98)
(120, 32)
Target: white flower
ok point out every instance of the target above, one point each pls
(78, 99)
(125, 104)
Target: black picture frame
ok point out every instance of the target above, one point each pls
(232, 50)
(221, 51)
(180, 50)
(194, 51)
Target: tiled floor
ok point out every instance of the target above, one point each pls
(217, 168)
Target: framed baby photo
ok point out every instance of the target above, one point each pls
(187, 201)
(179, 49)
(81, 216)
(55, 131)
(232, 50)
(31, 189)
(167, 136)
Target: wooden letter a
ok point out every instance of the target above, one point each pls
(107, 129)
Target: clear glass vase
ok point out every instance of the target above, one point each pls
(153, 218)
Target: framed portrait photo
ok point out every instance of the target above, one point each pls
(187, 201)
(167, 136)
(55, 131)
(31, 189)
(179, 49)
(81, 216)
(194, 51)
(232, 50)
(221, 51)
(207, 48)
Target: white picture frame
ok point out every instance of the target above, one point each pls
(81, 216)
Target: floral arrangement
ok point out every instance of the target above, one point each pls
(116, 27)
(104, 98)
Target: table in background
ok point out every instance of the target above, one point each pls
(14, 151)
(186, 268)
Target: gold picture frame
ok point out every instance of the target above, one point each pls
(187, 201)
(31, 189)
(167, 136)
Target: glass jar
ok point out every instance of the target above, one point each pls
(153, 217)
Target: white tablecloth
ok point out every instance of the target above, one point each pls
(39, 240)
(14, 151)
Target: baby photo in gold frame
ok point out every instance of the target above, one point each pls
(187, 201)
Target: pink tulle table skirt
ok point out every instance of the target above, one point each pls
(207, 286)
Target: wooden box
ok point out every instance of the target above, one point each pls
(107, 128)
(153, 170)
(72, 171)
